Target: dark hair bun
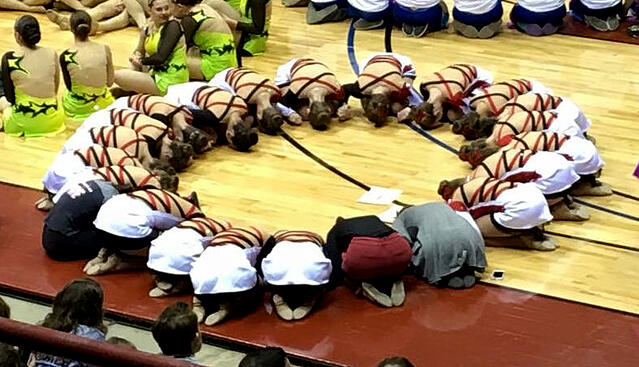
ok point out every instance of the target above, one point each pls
(29, 29)
(80, 24)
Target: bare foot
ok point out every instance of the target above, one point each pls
(544, 244)
(587, 189)
(198, 309)
(372, 293)
(59, 19)
(44, 204)
(282, 308)
(217, 317)
(344, 113)
(575, 212)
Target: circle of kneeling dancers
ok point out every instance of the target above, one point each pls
(112, 189)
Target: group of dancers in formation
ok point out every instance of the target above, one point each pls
(112, 189)
(181, 41)
(471, 18)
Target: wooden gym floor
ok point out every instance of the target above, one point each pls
(277, 187)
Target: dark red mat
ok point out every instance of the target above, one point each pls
(484, 326)
(574, 28)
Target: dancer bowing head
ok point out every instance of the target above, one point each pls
(310, 88)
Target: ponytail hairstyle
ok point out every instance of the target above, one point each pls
(81, 24)
(29, 30)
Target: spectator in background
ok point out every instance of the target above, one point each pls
(9, 356)
(418, 17)
(395, 362)
(267, 357)
(77, 309)
(5, 310)
(116, 340)
(477, 19)
(324, 11)
(602, 15)
(176, 332)
(538, 18)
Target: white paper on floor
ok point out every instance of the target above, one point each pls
(389, 215)
(379, 196)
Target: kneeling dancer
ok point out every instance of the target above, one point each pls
(503, 209)
(224, 277)
(131, 221)
(295, 271)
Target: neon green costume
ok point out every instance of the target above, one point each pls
(217, 50)
(28, 115)
(79, 100)
(174, 70)
(256, 43)
(235, 4)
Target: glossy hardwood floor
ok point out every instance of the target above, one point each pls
(277, 187)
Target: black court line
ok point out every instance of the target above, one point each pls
(364, 186)
(604, 243)
(627, 196)
(328, 166)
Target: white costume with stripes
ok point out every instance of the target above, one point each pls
(182, 94)
(219, 81)
(584, 155)
(524, 207)
(557, 173)
(296, 263)
(64, 166)
(130, 217)
(223, 269)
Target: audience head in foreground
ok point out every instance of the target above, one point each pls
(176, 331)
(267, 357)
(395, 362)
(5, 310)
(79, 303)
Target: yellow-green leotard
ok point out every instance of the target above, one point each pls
(30, 116)
(82, 100)
(217, 50)
(256, 43)
(174, 70)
